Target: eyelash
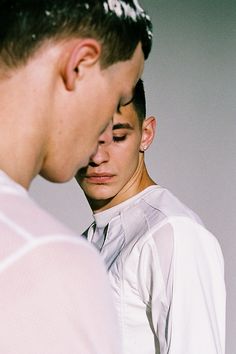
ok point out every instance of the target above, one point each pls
(117, 139)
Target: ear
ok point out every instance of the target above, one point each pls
(148, 133)
(82, 54)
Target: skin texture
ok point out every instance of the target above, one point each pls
(117, 171)
(56, 117)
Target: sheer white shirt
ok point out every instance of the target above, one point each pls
(55, 297)
(167, 275)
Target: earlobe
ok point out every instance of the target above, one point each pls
(148, 133)
(80, 56)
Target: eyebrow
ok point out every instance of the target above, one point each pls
(122, 126)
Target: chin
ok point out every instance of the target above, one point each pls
(51, 176)
(99, 197)
(102, 196)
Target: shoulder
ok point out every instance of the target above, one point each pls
(182, 241)
(61, 284)
(58, 267)
(187, 230)
(21, 212)
(153, 206)
(195, 249)
(53, 256)
(64, 253)
(166, 203)
(187, 233)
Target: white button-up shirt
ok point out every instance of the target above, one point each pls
(167, 275)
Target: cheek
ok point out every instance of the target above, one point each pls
(128, 160)
(101, 115)
(107, 101)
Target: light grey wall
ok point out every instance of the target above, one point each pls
(190, 85)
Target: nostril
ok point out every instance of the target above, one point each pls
(93, 164)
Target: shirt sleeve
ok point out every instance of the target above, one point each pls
(56, 299)
(185, 279)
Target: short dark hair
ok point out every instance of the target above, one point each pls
(119, 25)
(139, 101)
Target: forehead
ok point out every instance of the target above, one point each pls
(127, 114)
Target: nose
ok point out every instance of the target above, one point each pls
(106, 136)
(101, 155)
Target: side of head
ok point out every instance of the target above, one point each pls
(118, 25)
(139, 102)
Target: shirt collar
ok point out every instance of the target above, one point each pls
(104, 217)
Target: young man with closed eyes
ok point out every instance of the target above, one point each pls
(166, 270)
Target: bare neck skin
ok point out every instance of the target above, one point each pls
(25, 105)
(138, 182)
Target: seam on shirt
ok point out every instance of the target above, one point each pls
(171, 220)
(13, 258)
(7, 190)
(19, 230)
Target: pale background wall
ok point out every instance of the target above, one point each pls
(191, 86)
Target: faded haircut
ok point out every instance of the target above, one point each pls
(139, 101)
(119, 25)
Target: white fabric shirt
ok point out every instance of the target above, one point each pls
(55, 297)
(167, 275)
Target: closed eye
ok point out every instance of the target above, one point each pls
(117, 139)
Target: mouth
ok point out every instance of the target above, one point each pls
(99, 178)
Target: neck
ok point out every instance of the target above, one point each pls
(139, 181)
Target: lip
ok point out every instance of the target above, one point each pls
(99, 177)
